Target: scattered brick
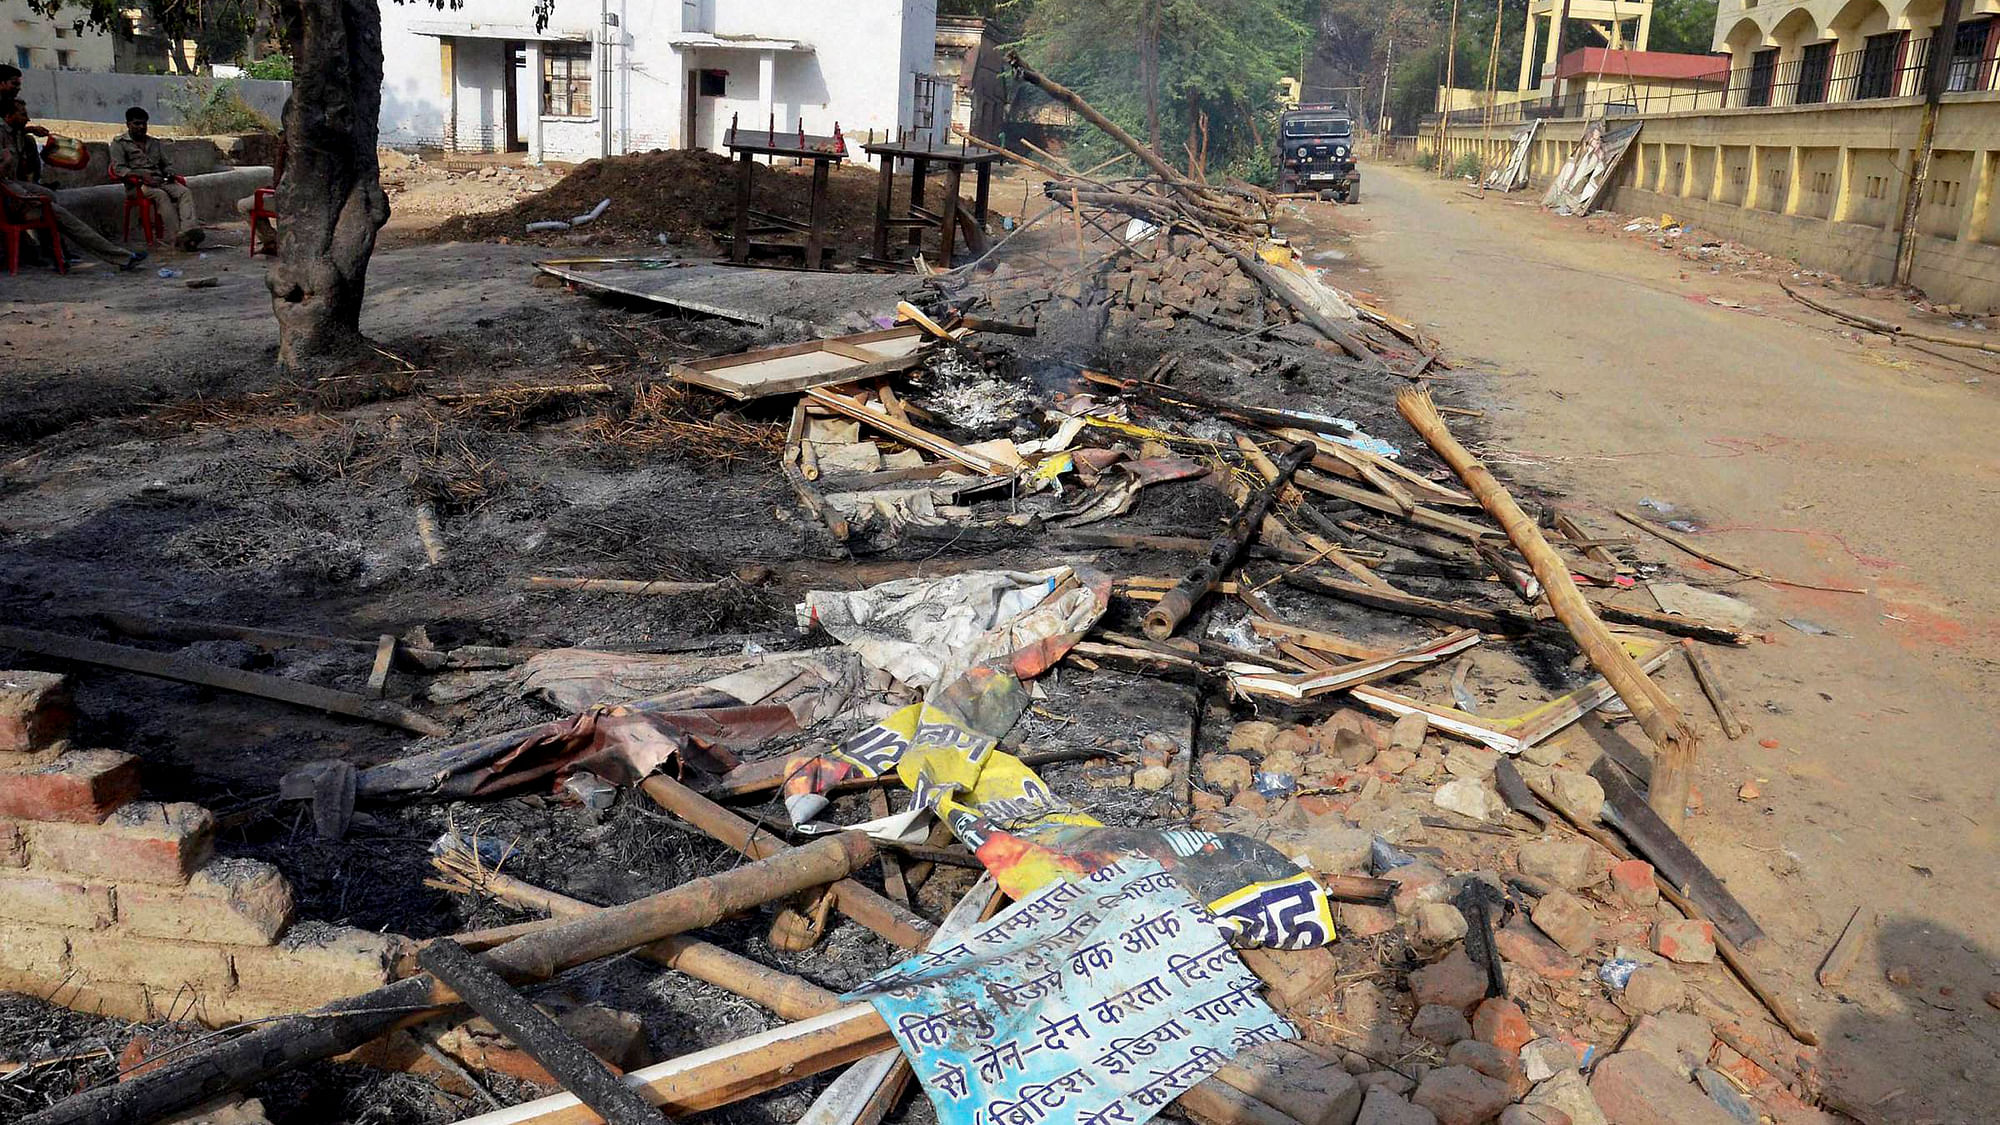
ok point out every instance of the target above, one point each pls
(1384, 1108)
(1293, 1079)
(145, 841)
(166, 964)
(13, 845)
(1567, 920)
(1439, 1024)
(1690, 941)
(1635, 1089)
(35, 712)
(55, 902)
(1632, 881)
(1460, 1095)
(1533, 952)
(1292, 977)
(1566, 1091)
(1453, 981)
(227, 902)
(1650, 989)
(1501, 1023)
(1357, 920)
(1494, 1063)
(1568, 864)
(81, 786)
(34, 949)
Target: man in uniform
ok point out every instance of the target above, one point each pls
(141, 161)
(20, 162)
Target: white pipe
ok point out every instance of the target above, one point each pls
(591, 215)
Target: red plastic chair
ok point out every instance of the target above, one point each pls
(262, 207)
(150, 222)
(37, 215)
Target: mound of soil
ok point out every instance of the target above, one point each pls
(689, 196)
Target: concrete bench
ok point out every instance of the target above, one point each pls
(215, 196)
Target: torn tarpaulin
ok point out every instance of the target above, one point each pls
(1098, 1000)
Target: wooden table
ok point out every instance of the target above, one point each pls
(955, 159)
(824, 152)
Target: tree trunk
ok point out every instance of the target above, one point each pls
(330, 200)
(1149, 71)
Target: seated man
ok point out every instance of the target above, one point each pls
(141, 161)
(17, 189)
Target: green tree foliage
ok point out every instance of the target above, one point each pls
(1687, 26)
(1177, 73)
(221, 29)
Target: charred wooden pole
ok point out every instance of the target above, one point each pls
(534, 1031)
(1171, 610)
(1673, 737)
(346, 1024)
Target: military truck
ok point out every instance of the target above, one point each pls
(1316, 152)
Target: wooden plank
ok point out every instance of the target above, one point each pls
(1426, 518)
(378, 676)
(1711, 686)
(1840, 959)
(1314, 684)
(1314, 639)
(170, 667)
(907, 434)
(1676, 863)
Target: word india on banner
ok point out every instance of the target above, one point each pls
(1097, 1001)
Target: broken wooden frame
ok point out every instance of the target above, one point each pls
(792, 368)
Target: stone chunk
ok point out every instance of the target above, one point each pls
(1296, 1081)
(1471, 761)
(1567, 920)
(1500, 1022)
(144, 842)
(228, 902)
(1545, 1058)
(1454, 982)
(1152, 778)
(35, 711)
(1577, 794)
(1226, 772)
(1358, 920)
(1679, 1041)
(1436, 1023)
(1687, 940)
(1460, 1095)
(1650, 989)
(81, 786)
(1331, 847)
(1384, 1108)
(1468, 796)
(1408, 733)
(1439, 924)
(1632, 881)
(1567, 864)
(1254, 735)
(1494, 1063)
(1533, 1115)
(1567, 1091)
(1416, 884)
(1633, 1088)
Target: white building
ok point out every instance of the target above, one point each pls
(41, 42)
(661, 73)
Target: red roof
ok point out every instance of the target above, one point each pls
(1589, 61)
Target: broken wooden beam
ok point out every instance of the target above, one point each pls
(346, 1024)
(1227, 548)
(893, 923)
(1711, 686)
(537, 1034)
(1706, 555)
(168, 666)
(1672, 736)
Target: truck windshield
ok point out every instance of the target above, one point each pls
(1317, 127)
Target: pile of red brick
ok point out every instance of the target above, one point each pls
(119, 906)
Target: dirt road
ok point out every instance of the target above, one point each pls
(1816, 457)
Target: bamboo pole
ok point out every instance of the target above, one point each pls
(346, 1024)
(1674, 739)
(1711, 686)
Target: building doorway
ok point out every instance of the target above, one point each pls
(515, 121)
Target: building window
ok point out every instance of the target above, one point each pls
(1878, 65)
(566, 80)
(1813, 66)
(1968, 56)
(24, 57)
(64, 58)
(713, 84)
(1763, 73)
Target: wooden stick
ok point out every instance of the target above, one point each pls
(1110, 128)
(907, 434)
(345, 1024)
(189, 671)
(1685, 544)
(1426, 518)
(378, 674)
(1327, 549)
(892, 922)
(1711, 686)
(503, 392)
(1845, 949)
(653, 586)
(1315, 639)
(1673, 738)
(1860, 320)
(537, 1034)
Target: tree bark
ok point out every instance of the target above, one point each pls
(330, 199)
(1149, 71)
